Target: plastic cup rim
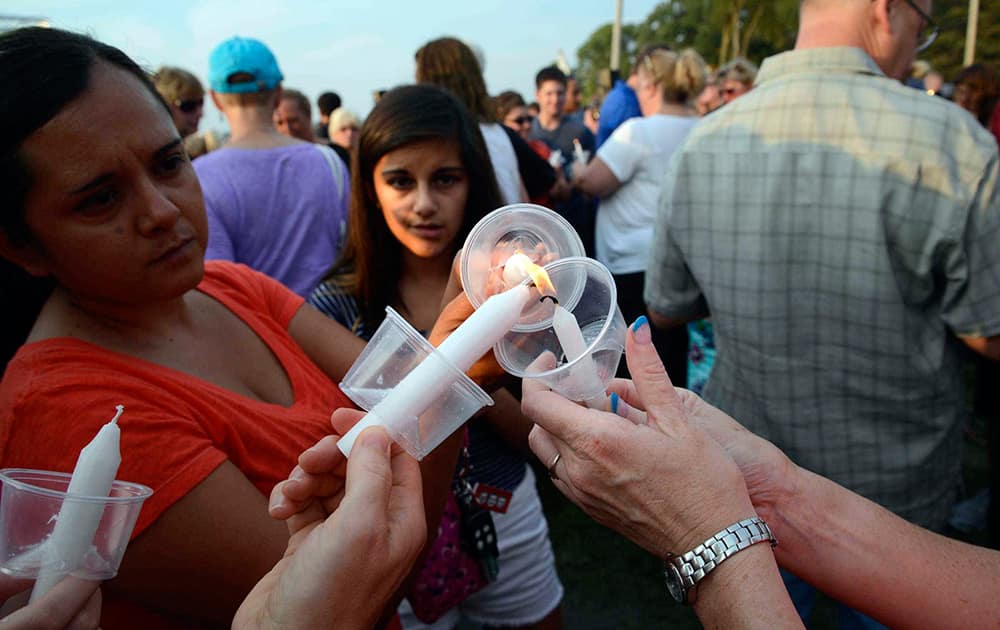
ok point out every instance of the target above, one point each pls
(492, 217)
(462, 379)
(607, 321)
(138, 491)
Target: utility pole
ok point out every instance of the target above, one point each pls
(616, 40)
(970, 33)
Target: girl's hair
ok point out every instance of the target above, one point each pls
(452, 65)
(506, 101)
(680, 76)
(370, 263)
(42, 71)
(985, 87)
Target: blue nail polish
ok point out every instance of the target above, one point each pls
(614, 403)
(639, 323)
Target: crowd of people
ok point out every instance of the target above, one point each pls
(808, 251)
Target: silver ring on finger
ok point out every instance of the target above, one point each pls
(552, 467)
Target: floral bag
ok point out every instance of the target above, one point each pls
(453, 568)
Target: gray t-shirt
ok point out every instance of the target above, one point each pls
(562, 138)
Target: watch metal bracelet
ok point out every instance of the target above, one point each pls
(693, 566)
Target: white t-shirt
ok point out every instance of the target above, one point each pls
(638, 153)
(504, 162)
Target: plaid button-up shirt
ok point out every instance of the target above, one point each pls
(841, 229)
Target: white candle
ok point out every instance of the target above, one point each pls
(569, 333)
(432, 377)
(77, 522)
(485, 327)
(515, 269)
(570, 336)
(584, 374)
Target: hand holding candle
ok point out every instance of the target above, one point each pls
(78, 520)
(564, 324)
(579, 153)
(410, 388)
(433, 376)
(574, 346)
(576, 317)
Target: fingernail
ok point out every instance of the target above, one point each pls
(614, 403)
(623, 409)
(375, 438)
(277, 500)
(640, 330)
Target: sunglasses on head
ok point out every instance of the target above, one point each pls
(189, 106)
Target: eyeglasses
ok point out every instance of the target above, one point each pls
(929, 32)
(189, 106)
(522, 120)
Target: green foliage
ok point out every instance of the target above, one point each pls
(952, 16)
(765, 25)
(723, 29)
(595, 55)
(719, 30)
(680, 25)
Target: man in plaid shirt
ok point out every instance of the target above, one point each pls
(843, 232)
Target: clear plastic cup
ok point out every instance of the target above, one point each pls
(409, 388)
(532, 230)
(586, 289)
(29, 508)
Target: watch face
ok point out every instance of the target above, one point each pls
(674, 584)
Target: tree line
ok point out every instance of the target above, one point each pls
(755, 29)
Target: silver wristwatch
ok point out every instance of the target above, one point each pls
(684, 571)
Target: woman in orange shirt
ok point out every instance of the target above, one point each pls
(224, 374)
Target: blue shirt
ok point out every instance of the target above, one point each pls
(619, 105)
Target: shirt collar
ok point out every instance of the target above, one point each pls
(818, 60)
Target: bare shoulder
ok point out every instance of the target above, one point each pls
(58, 319)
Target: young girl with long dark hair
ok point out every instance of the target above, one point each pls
(420, 180)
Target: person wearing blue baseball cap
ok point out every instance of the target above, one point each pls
(241, 66)
(275, 203)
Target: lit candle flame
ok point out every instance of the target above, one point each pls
(519, 266)
(541, 280)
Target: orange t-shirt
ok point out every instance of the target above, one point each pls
(176, 429)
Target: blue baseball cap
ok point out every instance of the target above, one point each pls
(242, 65)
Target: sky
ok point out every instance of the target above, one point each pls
(348, 46)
